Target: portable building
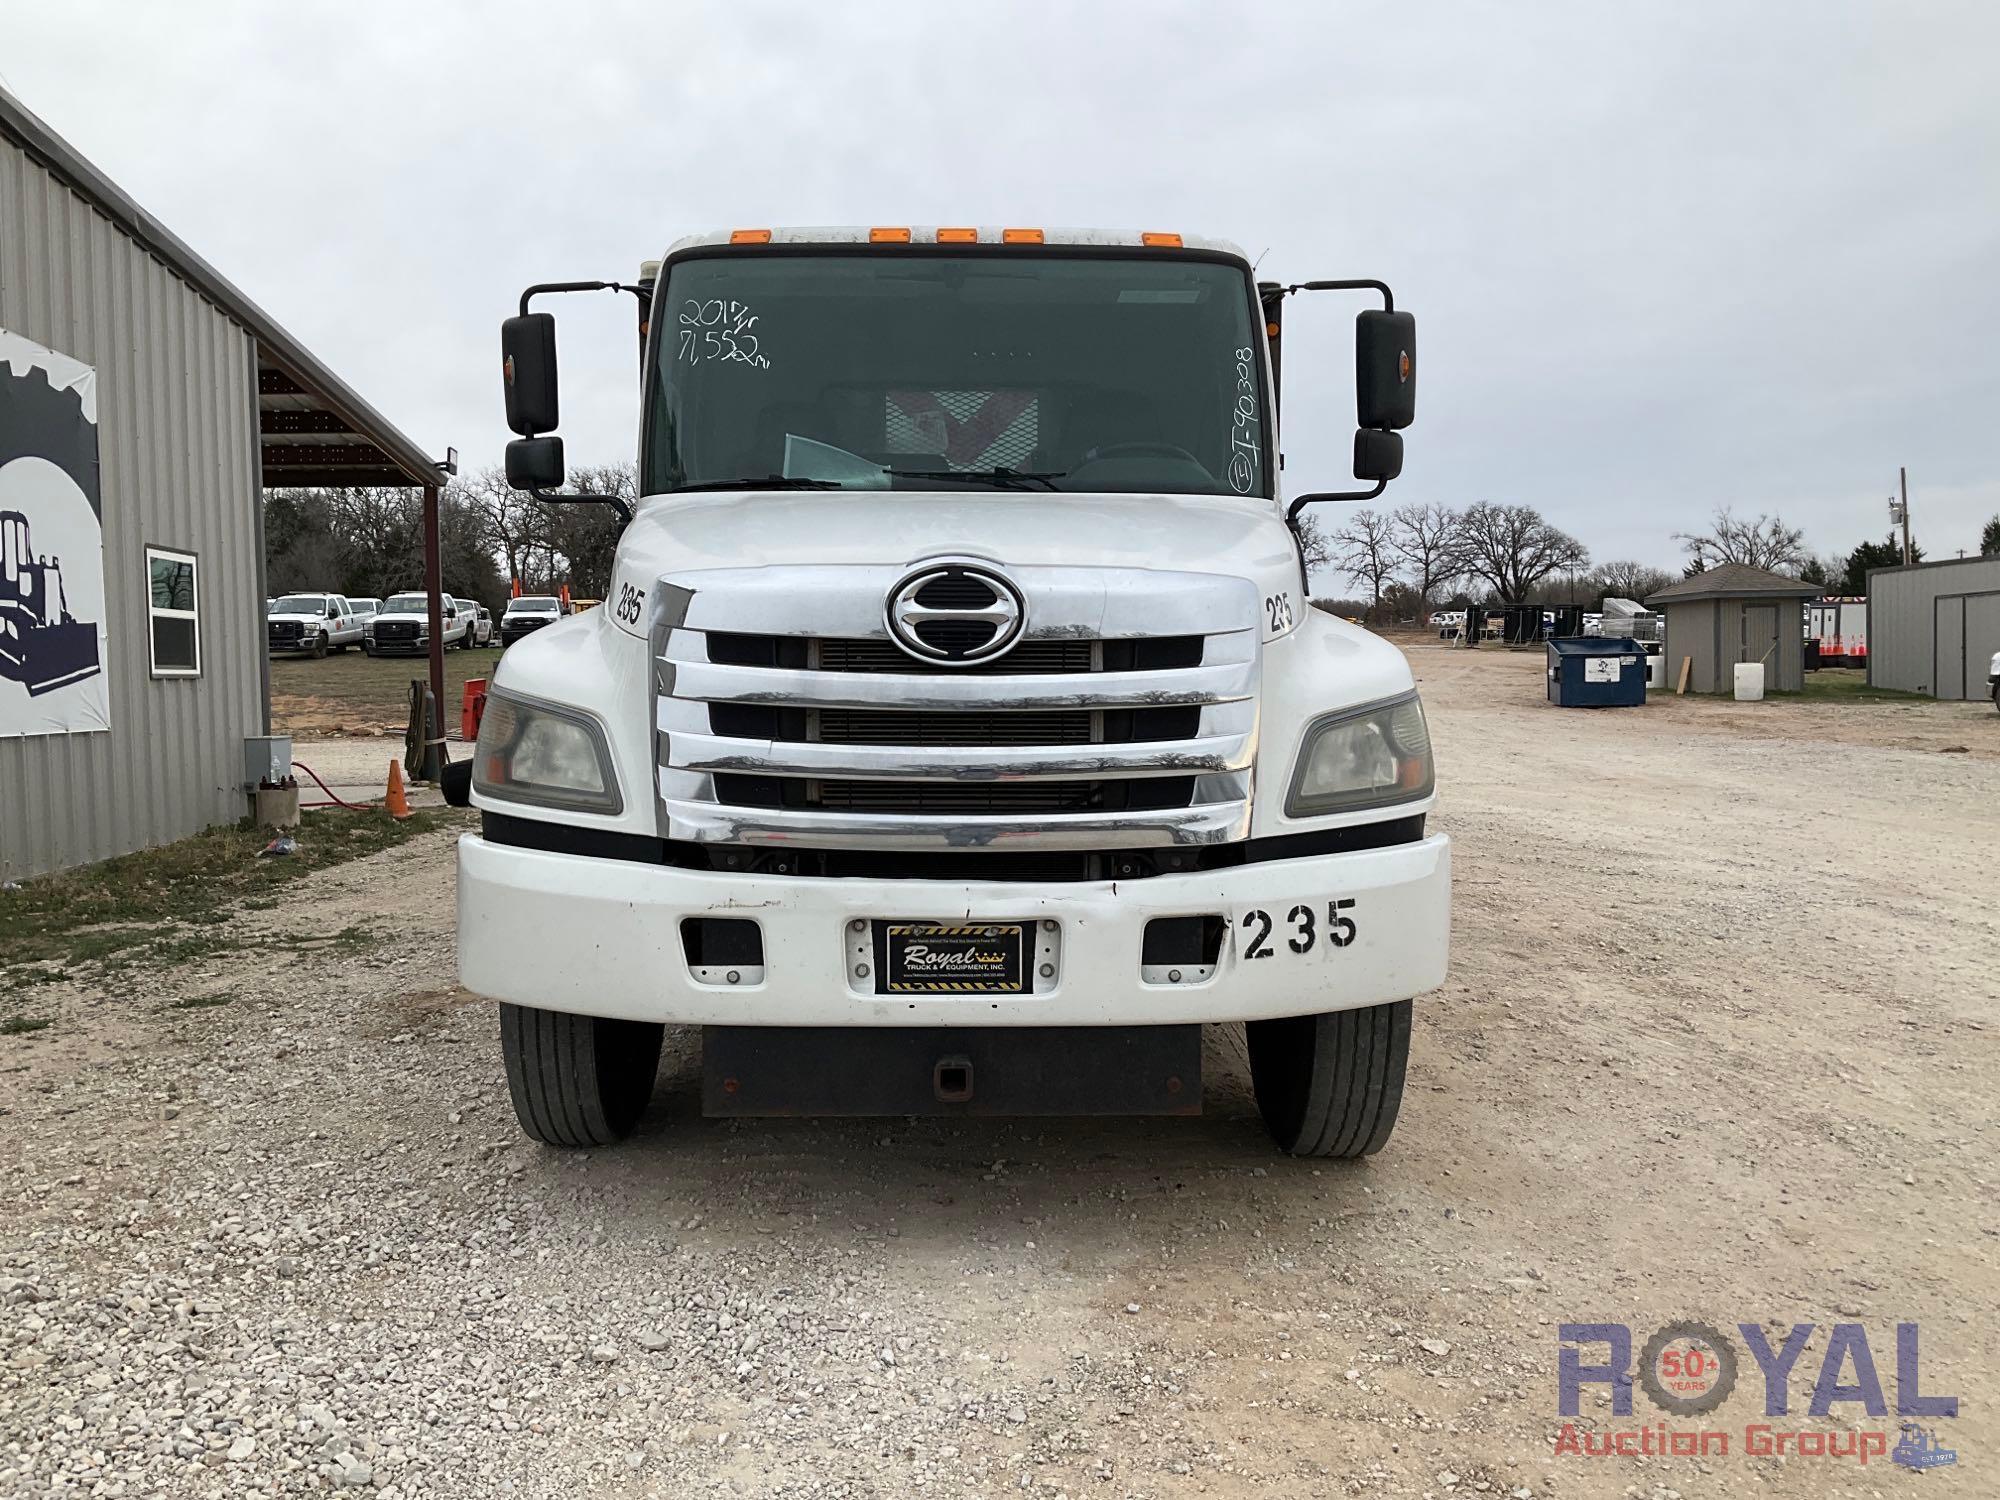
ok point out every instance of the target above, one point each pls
(1730, 614)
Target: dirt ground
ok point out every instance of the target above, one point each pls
(1718, 1044)
(353, 694)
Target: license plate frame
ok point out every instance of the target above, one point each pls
(996, 958)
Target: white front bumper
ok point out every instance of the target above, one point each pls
(602, 937)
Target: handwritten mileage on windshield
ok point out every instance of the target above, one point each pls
(1243, 426)
(719, 331)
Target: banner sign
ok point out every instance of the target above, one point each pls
(53, 640)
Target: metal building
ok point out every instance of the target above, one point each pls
(144, 404)
(1731, 614)
(1933, 627)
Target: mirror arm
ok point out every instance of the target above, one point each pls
(1292, 510)
(641, 292)
(550, 497)
(1365, 285)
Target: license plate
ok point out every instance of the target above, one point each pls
(933, 958)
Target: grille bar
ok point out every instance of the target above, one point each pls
(717, 752)
(1223, 682)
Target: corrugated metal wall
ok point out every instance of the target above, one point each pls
(176, 404)
(1904, 615)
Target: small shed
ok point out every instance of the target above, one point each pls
(1730, 614)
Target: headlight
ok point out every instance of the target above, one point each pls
(1363, 757)
(544, 754)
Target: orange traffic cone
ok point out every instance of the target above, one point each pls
(395, 801)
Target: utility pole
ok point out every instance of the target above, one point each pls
(1903, 484)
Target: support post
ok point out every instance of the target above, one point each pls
(434, 589)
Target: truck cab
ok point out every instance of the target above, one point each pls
(956, 735)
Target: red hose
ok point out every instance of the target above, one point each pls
(299, 765)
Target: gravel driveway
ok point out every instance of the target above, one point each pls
(1718, 1044)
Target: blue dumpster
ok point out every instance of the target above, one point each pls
(1597, 671)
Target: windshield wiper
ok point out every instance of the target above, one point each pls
(768, 482)
(1004, 477)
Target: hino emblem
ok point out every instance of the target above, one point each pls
(955, 613)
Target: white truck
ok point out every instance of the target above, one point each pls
(312, 623)
(527, 613)
(403, 628)
(956, 737)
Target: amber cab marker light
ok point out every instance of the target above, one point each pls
(958, 236)
(1021, 236)
(749, 236)
(889, 236)
(1162, 241)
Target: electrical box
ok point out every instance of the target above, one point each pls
(267, 760)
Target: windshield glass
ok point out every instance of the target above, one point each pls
(407, 604)
(300, 604)
(925, 371)
(531, 603)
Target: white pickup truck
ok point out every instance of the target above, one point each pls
(312, 623)
(1993, 678)
(956, 736)
(403, 628)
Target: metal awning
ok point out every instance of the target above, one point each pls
(310, 436)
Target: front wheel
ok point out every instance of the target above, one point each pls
(1996, 694)
(319, 646)
(1331, 1084)
(578, 1080)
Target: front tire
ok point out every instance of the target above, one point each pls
(1331, 1084)
(578, 1080)
(319, 646)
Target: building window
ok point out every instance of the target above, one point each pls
(174, 612)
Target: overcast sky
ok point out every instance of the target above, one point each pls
(1663, 256)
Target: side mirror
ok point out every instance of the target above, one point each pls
(1385, 371)
(528, 364)
(333, 611)
(535, 463)
(1378, 455)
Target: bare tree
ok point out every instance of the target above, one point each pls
(1626, 579)
(1766, 542)
(1512, 549)
(1363, 552)
(1426, 539)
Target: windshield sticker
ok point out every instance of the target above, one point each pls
(719, 332)
(1243, 428)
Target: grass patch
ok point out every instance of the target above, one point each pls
(167, 904)
(21, 1025)
(365, 694)
(1847, 685)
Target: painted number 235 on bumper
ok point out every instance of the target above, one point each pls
(1302, 930)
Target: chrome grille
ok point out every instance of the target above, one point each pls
(785, 715)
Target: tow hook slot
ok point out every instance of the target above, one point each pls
(951, 1080)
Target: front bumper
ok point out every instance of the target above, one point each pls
(602, 937)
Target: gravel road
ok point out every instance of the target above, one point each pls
(1718, 1044)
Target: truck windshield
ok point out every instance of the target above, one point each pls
(531, 604)
(407, 604)
(926, 371)
(300, 604)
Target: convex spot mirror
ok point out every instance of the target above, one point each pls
(1377, 455)
(1385, 371)
(528, 366)
(535, 463)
